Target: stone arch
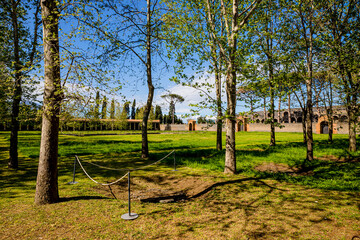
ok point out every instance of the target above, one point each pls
(293, 120)
(324, 127)
(286, 117)
(190, 126)
(240, 126)
(343, 118)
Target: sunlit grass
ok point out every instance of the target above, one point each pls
(249, 205)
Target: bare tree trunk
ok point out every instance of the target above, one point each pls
(303, 122)
(13, 160)
(219, 122)
(230, 153)
(145, 145)
(272, 111)
(230, 156)
(47, 177)
(352, 126)
(308, 82)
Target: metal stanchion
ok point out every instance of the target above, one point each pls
(73, 181)
(129, 215)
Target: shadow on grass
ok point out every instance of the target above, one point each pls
(219, 184)
(69, 199)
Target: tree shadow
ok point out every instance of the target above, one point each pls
(78, 198)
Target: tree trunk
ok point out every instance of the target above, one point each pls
(303, 123)
(230, 156)
(308, 82)
(47, 177)
(145, 145)
(13, 160)
(352, 129)
(219, 122)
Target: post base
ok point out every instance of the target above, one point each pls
(130, 216)
(72, 183)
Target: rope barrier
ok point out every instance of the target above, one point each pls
(129, 215)
(127, 169)
(115, 169)
(103, 184)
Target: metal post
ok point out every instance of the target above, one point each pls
(73, 181)
(174, 163)
(129, 215)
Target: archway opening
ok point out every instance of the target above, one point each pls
(324, 127)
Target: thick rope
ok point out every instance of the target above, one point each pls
(127, 169)
(103, 184)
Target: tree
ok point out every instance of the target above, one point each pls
(47, 177)
(158, 113)
(301, 37)
(268, 42)
(104, 108)
(126, 109)
(97, 105)
(191, 43)
(172, 99)
(112, 109)
(135, 34)
(340, 27)
(133, 109)
(19, 58)
(234, 21)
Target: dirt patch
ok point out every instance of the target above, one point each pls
(282, 168)
(340, 159)
(159, 188)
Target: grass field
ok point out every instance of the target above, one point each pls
(321, 203)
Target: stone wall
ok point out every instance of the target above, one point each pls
(288, 127)
(174, 127)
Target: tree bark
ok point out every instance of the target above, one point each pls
(47, 177)
(352, 126)
(230, 153)
(13, 158)
(303, 123)
(219, 122)
(145, 145)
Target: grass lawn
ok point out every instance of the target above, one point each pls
(267, 199)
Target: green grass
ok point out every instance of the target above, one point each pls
(196, 150)
(251, 204)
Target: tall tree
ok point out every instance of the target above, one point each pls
(112, 109)
(21, 54)
(158, 113)
(301, 35)
(47, 177)
(104, 108)
(341, 34)
(135, 36)
(172, 99)
(97, 105)
(234, 17)
(133, 110)
(191, 43)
